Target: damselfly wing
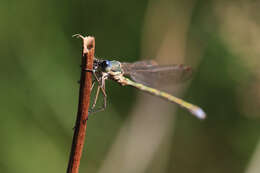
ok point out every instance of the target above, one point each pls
(151, 74)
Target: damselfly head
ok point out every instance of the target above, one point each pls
(101, 65)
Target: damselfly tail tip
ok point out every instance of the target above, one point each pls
(199, 113)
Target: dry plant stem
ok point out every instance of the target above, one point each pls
(84, 97)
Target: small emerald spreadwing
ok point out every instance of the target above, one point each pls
(143, 75)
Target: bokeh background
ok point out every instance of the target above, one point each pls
(138, 132)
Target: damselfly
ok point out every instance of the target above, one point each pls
(144, 74)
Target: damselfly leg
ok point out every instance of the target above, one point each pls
(100, 86)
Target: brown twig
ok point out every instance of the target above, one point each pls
(84, 96)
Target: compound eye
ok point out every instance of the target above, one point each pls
(105, 64)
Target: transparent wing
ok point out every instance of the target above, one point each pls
(129, 67)
(151, 74)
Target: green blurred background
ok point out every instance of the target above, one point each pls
(137, 133)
